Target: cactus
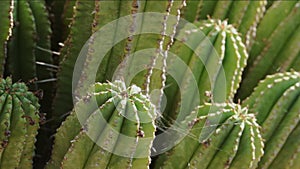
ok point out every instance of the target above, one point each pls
(114, 126)
(274, 39)
(221, 136)
(275, 102)
(19, 120)
(122, 112)
(210, 67)
(28, 41)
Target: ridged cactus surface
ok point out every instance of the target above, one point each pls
(116, 132)
(276, 104)
(216, 56)
(276, 46)
(19, 120)
(221, 136)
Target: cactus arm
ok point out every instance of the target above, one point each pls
(79, 33)
(229, 148)
(288, 54)
(17, 136)
(21, 59)
(263, 100)
(43, 37)
(278, 139)
(276, 14)
(195, 42)
(236, 58)
(221, 9)
(280, 111)
(5, 30)
(261, 59)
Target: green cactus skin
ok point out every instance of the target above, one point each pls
(21, 60)
(19, 120)
(277, 113)
(5, 30)
(273, 33)
(287, 58)
(244, 15)
(229, 138)
(229, 53)
(29, 40)
(95, 14)
(74, 149)
(288, 156)
(82, 18)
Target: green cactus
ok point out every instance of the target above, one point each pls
(274, 43)
(28, 41)
(210, 66)
(113, 126)
(221, 136)
(19, 120)
(117, 111)
(275, 102)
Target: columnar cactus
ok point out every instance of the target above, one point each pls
(276, 104)
(244, 15)
(19, 120)
(26, 30)
(221, 136)
(116, 132)
(276, 45)
(89, 17)
(216, 60)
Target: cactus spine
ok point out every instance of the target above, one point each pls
(19, 120)
(224, 57)
(275, 30)
(222, 136)
(124, 112)
(277, 113)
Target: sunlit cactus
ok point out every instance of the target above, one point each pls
(112, 127)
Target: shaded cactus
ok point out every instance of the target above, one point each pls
(110, 112)
(221, 136)
(276, 45)
(19, 120)
(215, 58)
(28, 41)
(276, 104)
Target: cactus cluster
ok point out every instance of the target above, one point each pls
(234, 104)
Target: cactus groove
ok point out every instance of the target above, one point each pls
(19, 120)
(123, 123)
(221, 136)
